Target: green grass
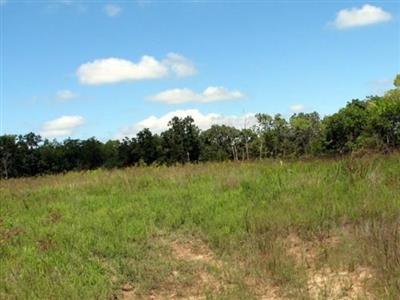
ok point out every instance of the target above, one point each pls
(83, 235)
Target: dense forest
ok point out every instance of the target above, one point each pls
(373, 123)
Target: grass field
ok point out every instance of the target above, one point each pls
(318, 229)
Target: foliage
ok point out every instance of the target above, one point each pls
(181, 142)
(373, 123)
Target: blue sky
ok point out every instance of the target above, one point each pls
(108, 69)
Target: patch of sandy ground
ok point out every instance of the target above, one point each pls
(322, 283)
(325, 283)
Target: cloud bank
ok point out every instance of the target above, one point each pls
(63, 126)
(210, 94)
(363, 16)
(180, 65)
(112, 70)
(203, 121)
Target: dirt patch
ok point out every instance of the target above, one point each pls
(128, 291)
(173, 296)
(198, 255)
(195, 272)
(328, 284)
(263, 289)
(45, 245)
(323, 282)
(198, 251)
(271, 296)
(192, 250)
(176, 287)
(302, 251)
(8, 234)
(54, 217)
(308, 252)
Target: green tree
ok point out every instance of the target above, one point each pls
(396, 81)
(343, 128)
(305, 133)
(8, 152)
(127, 152)
(181, 142)
(110, 151)
(92, 154)
(51, 157)
(28, 156)
(219, 143)
(274, 134)
(148, 146)
(72, 155)
(384, 121)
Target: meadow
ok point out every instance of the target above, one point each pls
(306, 229)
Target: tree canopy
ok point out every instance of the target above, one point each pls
(372, 123)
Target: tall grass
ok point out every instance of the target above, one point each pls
(82, 235)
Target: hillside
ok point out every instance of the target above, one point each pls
(273, 229)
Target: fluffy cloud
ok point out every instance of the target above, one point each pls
(65, 95)
(112, 70)
(203, 121)
(180, 65)
(210, 94)
(365, 15)
(296, 108)
(63, 126)
(112, 10)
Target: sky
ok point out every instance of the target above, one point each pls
(111, 68)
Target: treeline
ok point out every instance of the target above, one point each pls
(373, 123)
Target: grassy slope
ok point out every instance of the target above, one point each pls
(268, 228)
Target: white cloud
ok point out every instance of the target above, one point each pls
(112, 10)
(296, 108)
(180, 65)
(203, 121)
(63, 126)
(112, 70)
(65, 95)
(175, 96)
(210, 94)
(365, 15)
